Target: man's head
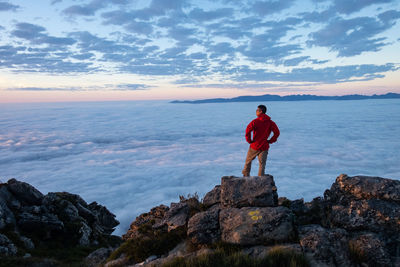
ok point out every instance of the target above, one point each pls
(261, 109)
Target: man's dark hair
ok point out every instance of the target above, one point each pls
(263, 108)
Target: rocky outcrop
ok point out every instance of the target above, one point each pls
(355, 223)
(30, 218)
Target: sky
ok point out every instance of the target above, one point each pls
(73, 50)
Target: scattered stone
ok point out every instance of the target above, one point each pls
(248, 191)
(256, 226)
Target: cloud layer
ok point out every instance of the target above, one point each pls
(131, 156)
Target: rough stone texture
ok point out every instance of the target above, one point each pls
(370, 250)
(213, 197)
(256, 226)
(373, 215)
(97, 257)
(255, 191)
(154, 217)
(203, 227)
(325, 247)
(364, 188)
(177, 215)
(7, 248)
(55, 216)
(24, 192)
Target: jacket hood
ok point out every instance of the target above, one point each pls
(264, 117)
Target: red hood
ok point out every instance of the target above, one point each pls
(264, 117)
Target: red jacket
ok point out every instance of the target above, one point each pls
(261, 128)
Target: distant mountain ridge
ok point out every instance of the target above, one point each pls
(269, 97)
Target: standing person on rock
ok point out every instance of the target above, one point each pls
(261, 127)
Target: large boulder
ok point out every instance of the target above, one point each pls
(24, 192)
(255, 191)
(363, 188)
(256, 226)
(203, 227)
(325, 247)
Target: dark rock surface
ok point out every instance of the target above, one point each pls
(32, 219)
(203, 227)
(248, 191)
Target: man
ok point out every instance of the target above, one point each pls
(259, 144)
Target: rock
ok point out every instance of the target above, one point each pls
(121, 261)
(260, 252)
(367, 248)
(364, 188)
(104, 217)
(256, 226)
(203, 227)
(177, 215)
(372, 215)
(213, 197)
(325, 247)
(7, 218)
(39, 222)
(27, 242)
(7, 248)
(24, 192)
(97, 257)
(152, 218)
(84, 232)
(248, 191)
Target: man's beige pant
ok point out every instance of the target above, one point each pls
(262, 159)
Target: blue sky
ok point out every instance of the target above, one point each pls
(53, 50)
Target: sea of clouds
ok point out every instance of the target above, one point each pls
(131, 156)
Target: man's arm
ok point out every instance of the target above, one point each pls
(249, 129)
(276, 132)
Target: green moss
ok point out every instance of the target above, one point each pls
(229, 256)
(154, 243)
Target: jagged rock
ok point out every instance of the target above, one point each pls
(177, 215)
(8, 199)
(213, 197)
(97, 257)
(307, 213)
(24, 192)
(325, 247)
(260, 252)
(154, 218)
(373, 215)
(363, 188)
(256, 226)
(248, 191)
(367, 248)
(7, 248)
(203, 227)
(104, 217)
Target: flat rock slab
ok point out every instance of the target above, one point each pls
(256, 226)
(254, 191)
